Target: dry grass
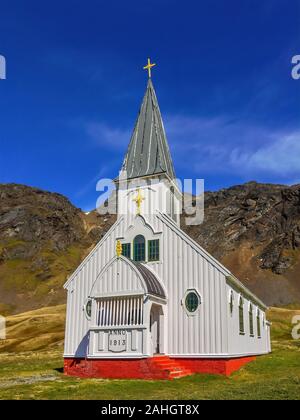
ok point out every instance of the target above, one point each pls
(35, 330)
(281, 320)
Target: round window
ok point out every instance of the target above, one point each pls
(88, 308)
(192, 302)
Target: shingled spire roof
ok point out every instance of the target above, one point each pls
(148, 152)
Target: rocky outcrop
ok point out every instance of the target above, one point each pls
(43, 237)
(31, 215)
(267, 216)
(262, 220)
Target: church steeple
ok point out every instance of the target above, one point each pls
(148, 152)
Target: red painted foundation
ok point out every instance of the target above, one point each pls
(216, 366)
(158, 367)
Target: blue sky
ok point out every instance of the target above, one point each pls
(75, 83)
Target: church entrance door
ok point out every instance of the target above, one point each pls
(155, 327)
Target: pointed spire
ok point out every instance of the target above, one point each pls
(148, 152)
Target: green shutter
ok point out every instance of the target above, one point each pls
(241, 316)
(139, 251)
(231, 303)
(251, 321)
(153, 250)
(258, 326)
(126, 250)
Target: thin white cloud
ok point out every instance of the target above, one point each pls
(281, 157)
(106, 136)
(225, 145)
(91, 184)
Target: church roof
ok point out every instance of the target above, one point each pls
(148, 152)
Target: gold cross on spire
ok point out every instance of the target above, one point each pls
(149, 66)
(138, 200)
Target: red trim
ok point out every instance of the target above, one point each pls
(215, 366)
(159, 367)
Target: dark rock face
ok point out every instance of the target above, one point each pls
(267, 216)
(263, 218)
(31, 218)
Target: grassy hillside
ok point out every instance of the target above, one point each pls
(22, 289)
(35, 330)
(31, 367)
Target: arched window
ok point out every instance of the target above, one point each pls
(139, 248)
(231, 302)
(241, 316)
(251, 327)
(258, 324)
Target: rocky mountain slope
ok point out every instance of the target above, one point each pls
(254, 229)
(43, 237)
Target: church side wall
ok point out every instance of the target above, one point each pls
(245, 343)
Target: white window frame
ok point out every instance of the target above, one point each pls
(193, 290)
(85, 308)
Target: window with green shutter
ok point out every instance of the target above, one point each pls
(126, 250)
(192, 302)
(139, 251)
(153, 254)
(231, 303)
(241, 316)
(258, 325)
(251, 326)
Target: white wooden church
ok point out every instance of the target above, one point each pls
(149, 302)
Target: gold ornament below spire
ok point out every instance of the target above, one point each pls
(138, 200)
(149, 67)
(119, 249)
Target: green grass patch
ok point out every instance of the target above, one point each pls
(24, 276)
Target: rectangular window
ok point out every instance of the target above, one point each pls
(258, 327)
(139, 252)
(251, 323)
(153, 250)
(241, 317)
(126, 250)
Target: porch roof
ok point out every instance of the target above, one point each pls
(152, 283)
